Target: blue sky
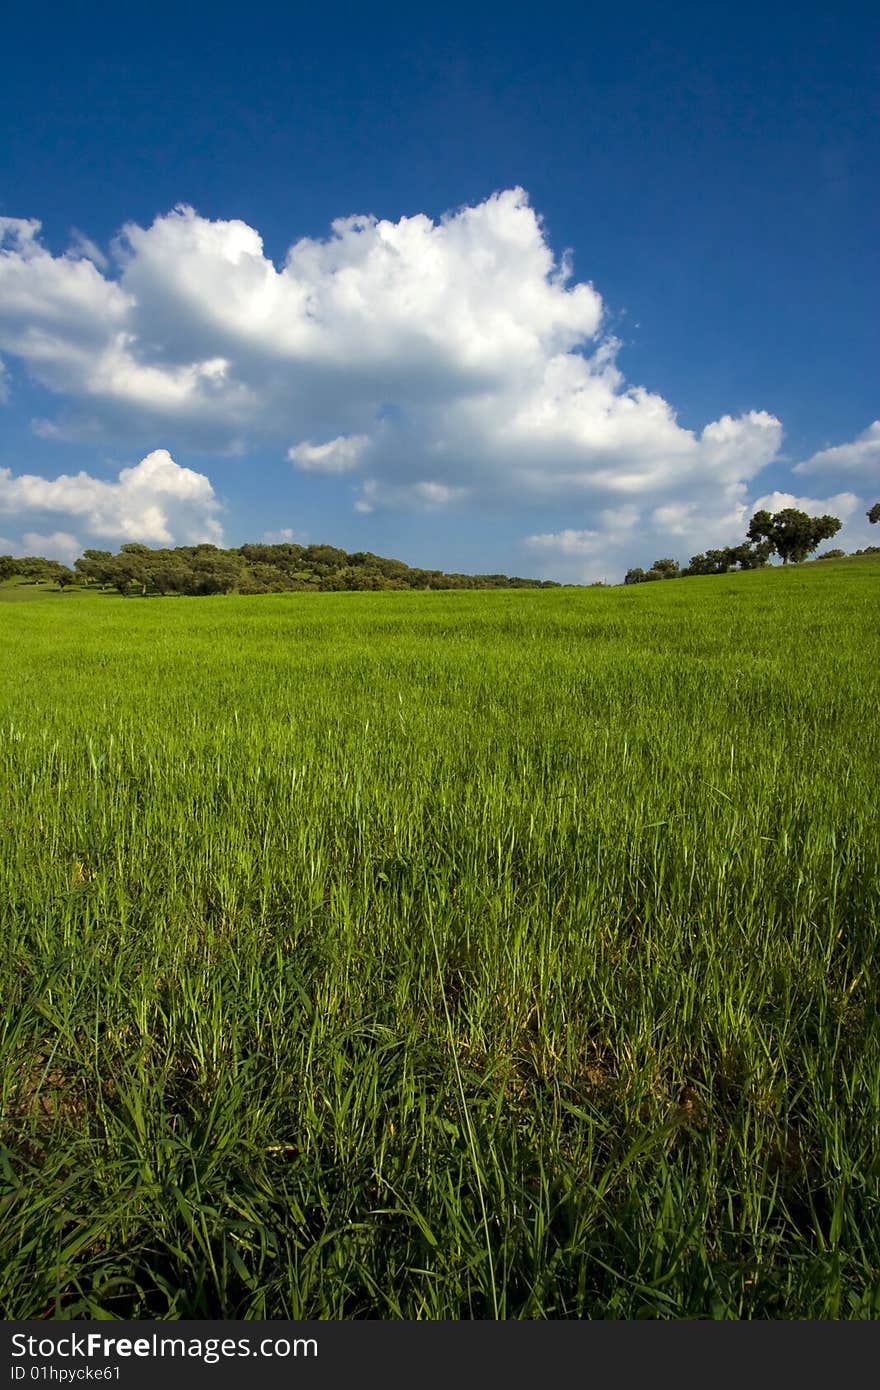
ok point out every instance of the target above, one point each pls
(614, 282)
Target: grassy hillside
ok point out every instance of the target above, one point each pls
(443, 954)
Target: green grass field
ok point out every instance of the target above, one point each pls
(443, 955)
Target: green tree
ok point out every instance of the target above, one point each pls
(95, 565)
(215, 571)
(169, 572)
(712, 562)
(667, 569)
(134, 561)
(745, 557)
(262, 568)
(874, 514)
(791, 533)
(37, 568)
(751, 557)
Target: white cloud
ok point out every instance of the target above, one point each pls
(581, 556)
(565, 543)
(285, 536)
(60, 545)
(339, 455)
(445, 361)
(46, 429)
(156, 501)
(857, 462)
(426, 496)
(56, 311)
(843, 505)
(83, 248)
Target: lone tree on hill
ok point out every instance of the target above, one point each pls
(874, 513)
(792, 534)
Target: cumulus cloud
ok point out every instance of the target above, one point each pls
(438, 360)
(60, 545)
(843, 504)
(155, 501)
(440, 364)
(199, 326)
(856, 462)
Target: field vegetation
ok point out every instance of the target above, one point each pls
(443, 955)
(199, 570)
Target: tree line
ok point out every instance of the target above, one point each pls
(790, 534)
(286, 568)
(249, 569)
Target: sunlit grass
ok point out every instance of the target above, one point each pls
(443, 955)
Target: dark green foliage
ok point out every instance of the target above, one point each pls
(874, 513)
(37, 569)
(791, 533)
(760, 526)
(250, 569)
(832, 555)
(744, 557)
(640, 576)
(661, 569)
(95, 566)
(667, 569)
(709, 563)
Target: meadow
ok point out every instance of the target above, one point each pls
(443, 955)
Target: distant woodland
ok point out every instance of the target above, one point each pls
(251, 569)
(790, 534)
